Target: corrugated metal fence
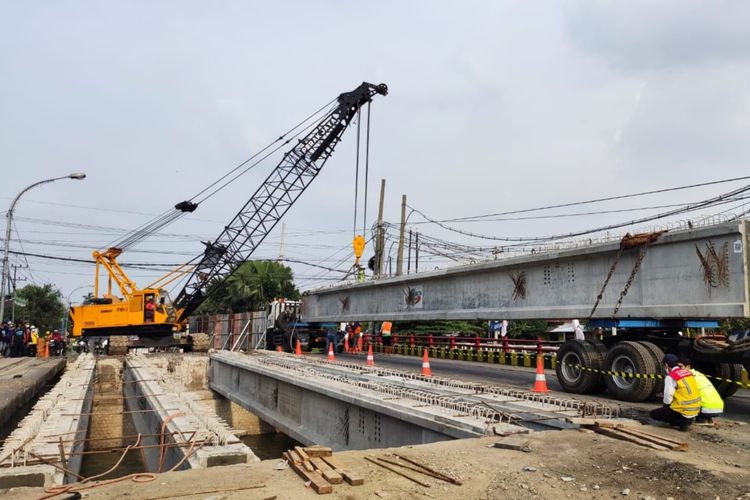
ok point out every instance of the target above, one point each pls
(238, 331)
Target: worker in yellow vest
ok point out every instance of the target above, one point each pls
(682, 399)
(712, 405)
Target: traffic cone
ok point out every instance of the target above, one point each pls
(279, 349)
(346, 343)
(46, 349)
(426, 371)
(298, 350)
(359, 343)
(540, 382)
(331, 357)
(370, 357)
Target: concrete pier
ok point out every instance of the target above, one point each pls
(164, 395)
(21, 379)
(45, 448)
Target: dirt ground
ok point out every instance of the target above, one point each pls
(561, 464)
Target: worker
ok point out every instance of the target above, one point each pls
(682, 399)
(330, 340)
(578, 330)
(712, 405)
(59, 343)
(148, 312)
(385, 334)
(31, 349)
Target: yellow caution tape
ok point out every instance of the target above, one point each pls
(651, 376)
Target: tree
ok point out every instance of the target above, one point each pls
(44, 306)
(250, 288)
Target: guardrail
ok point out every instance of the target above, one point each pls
(476, 343)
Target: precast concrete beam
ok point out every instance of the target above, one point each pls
(160, 394)
(334, 407)
(53, 434)
(687, 274)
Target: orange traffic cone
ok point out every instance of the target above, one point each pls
(279, 349)
(370, 357)
(46, 349)
(359, 343)
(298, 349)
(540, 382)
(346, 343)
(331, 357)
(426, 371)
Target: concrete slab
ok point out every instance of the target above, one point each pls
(21, 379)
(49, 437)
(165, 395)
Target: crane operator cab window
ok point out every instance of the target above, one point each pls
(148, 310)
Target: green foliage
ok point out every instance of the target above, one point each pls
(529, 329)
(729, 325)
(516, 329)
(250, 288)
(462, 328)
(44, 306)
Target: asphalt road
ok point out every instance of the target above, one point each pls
(736, 408)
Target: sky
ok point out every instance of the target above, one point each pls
(493, 107)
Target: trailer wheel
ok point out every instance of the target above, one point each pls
(658, 355)
(573, 379)
(630, 358)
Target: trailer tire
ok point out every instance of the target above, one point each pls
(633, 358)
(577, 381)
(658, 355)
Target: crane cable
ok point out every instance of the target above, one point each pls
(173, 214)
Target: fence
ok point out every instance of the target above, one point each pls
(232, 331)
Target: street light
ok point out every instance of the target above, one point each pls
(75, 175)
(67, 312)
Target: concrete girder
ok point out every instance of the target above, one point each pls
(671, 283)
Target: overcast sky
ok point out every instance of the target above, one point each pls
(493, 106)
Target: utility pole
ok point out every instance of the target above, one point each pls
(408, 259)
(416, 252)
(379, 239)
(400, 258)
(281, 246)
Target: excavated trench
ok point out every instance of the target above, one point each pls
(109, 417)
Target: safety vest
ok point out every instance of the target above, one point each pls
(386, 328)
(687, 397)
(710, 400)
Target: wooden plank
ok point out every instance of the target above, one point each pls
(328, 473)
(350, 477)
(295, 458)
(317, 483)
(304, 456)
(656, 439)
(307, 466)
(386, 467)
(318, 451)
(613, 433)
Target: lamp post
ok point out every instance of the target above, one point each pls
(75, 175)
(67, 312)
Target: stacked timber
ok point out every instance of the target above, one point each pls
(317, 466)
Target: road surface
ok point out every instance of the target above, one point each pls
(736, 408)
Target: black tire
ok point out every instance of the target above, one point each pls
(658, 355)
(735, 374)
(575, 380)
(630, 357)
